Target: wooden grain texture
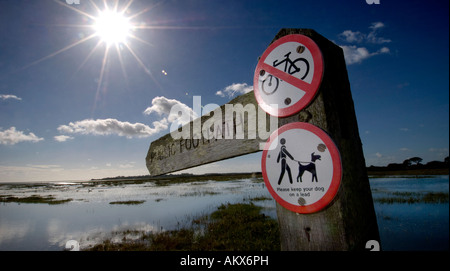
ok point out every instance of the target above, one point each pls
(167, 154)
(349, 221)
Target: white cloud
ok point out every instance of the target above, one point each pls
(354, 54)
(234, 89)
(383, 50)
(129, 165)
(63, 138)
(372, 36)
(162, 106)
(358, 37)
(112, 127)
(43, 166)
(12, 136)
(379, 155)
(376, 25)
(351, 37)
(9, 96)
(48, 168)
(173, 111)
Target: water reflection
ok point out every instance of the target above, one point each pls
(12, 230)
(90, 218)
(422, 225)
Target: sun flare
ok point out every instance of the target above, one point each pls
(112, 27)
(110, 23)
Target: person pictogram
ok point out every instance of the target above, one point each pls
(284, 166)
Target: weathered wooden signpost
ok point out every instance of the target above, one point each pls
(312, 159)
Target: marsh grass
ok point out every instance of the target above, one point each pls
(414, 197)
(128, 202)
(199, 194)
(260, 198)
(167, 180)
(51, 200)
(232, 227)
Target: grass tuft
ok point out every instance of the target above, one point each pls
(34, 199)
(233, 227)
(128, 202)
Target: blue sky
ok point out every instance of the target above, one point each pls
(67, 112)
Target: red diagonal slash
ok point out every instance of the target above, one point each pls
(285, 77)
(310, 89)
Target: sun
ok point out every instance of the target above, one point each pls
(112, 27)
(110, 24)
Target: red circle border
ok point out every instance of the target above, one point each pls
(315, 83)
(337, 168)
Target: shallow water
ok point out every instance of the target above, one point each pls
(90, 218)
(417, 226)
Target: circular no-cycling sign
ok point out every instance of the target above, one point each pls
(301, 167)
(288, 75)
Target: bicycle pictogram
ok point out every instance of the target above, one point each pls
(288, 75)
(270, 83)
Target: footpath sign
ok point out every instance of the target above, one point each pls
(288, 75)
(312, 160)
(301, 167)
(233, 129)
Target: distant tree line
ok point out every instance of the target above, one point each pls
(414, 163)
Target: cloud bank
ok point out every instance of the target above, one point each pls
(163, 107)
(62, 138)
(12, 137)
(234, 89)
(356, 54)
(110, 127)
(9, 96)
(160, 105)
(358, 37)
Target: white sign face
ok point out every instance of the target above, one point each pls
(288, 75)
(301, 167)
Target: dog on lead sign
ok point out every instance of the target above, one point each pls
(301, 167)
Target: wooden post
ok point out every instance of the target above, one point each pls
(349, 221)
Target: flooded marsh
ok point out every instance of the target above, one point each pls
(412, 213)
